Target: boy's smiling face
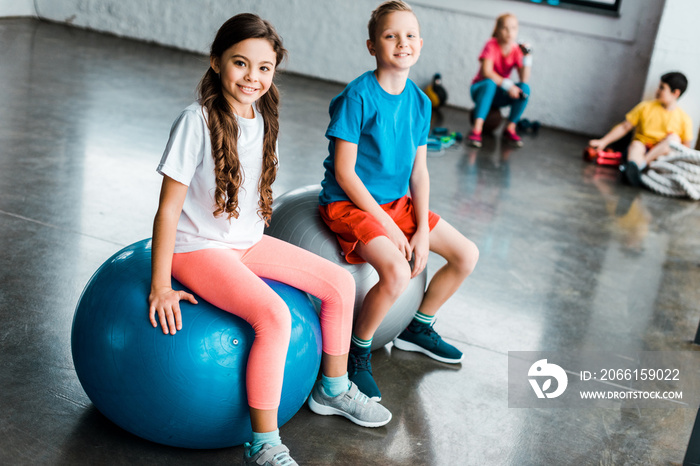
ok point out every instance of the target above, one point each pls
(397, 44)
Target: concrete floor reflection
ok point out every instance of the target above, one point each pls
(571, 261)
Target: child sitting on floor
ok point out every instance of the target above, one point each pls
(656, 124)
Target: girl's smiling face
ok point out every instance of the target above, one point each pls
(397, 44)
(246, 70)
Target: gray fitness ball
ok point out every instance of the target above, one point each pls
(296, 220)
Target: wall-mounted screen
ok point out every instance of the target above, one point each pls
(606, 6)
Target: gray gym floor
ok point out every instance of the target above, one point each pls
(571, 261)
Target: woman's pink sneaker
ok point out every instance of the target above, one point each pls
(512, 138)
(474, 139)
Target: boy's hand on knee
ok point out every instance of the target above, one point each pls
(420, 246)
(399, 239)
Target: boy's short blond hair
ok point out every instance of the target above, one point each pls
(383, 10)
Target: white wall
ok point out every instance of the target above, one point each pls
(676, 50)
(589, 69)
(17, 8)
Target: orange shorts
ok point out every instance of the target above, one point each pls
(351, 224)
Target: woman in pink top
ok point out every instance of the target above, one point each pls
(492, 86)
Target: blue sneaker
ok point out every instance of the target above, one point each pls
(422, 338)
(360, 373)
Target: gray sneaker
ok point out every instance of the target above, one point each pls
(269, 456)
(353, 404)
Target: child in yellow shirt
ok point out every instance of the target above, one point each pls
(656, 123)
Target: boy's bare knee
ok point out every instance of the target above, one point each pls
(636, 151)
(395, 278)
(466, 259)
(673, 137)
(636, 146)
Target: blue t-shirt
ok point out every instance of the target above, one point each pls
(387, 128)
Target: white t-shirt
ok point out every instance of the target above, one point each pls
(188, 159)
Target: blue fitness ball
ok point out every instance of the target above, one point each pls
(188, 389)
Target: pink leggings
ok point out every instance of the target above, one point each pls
(230, 279)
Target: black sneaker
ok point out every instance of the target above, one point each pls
(360, 373)
(422, 338)
(633, 174)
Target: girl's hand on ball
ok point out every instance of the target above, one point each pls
(166, 303)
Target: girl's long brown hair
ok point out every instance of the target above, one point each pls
(222, 121)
